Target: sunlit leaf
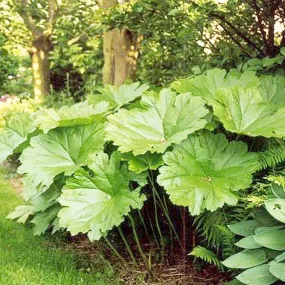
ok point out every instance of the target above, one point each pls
(206, 171)
(94, 205)
(166, 119)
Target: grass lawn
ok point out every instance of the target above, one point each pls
(26, 259)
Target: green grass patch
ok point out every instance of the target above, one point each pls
(26, 259)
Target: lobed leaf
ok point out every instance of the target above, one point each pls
(166, 119)
(62, 150)
(78, 114)
(94, 205)
(15, 135)
(205, 171)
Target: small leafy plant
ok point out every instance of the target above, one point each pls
(263, 244)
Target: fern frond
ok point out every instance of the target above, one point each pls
(273, 155)
(228, 247)
(206, 225)
(206, 255)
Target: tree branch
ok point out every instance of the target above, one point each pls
(259, 20)
(52, 11)
(238, 32)
(28, 19)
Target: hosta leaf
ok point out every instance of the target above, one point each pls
(246, 259)
(258, 275)
(94, 205)
(204, 172)
(244, 228)
(62, 150)
(15, 134)
(207, 84)
(280, 257)
(278, 270)
(267, 229)
(272, 239)
(144, 162)
(77, 114)
(244, 111)
(248, 243)
(261, 215)
(22, 213)
(168, 119)
(278, 190)
(276, 208)
(119, 96)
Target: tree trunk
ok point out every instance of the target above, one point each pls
(119, 56)
(41, 67)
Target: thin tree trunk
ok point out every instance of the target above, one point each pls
(41, 67)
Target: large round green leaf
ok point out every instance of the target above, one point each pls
(276, 208)
(166, 119)
(94, 205)
(62, 150)
(246, 259)
(258, 275)
(271, 239)
(205, 171)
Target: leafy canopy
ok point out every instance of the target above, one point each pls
(164, 119)
(94, 205)
(205, 171)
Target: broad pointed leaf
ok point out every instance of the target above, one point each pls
(168, 119)
(15, 134)
(278, 270)
(246, 259)
(280, 257)
(60, 151)
(276, 208)
(271, 239)
(259, 275)
(94, 205)
(205, 171)
(248, 243)
(77, 114)
(244, 228)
